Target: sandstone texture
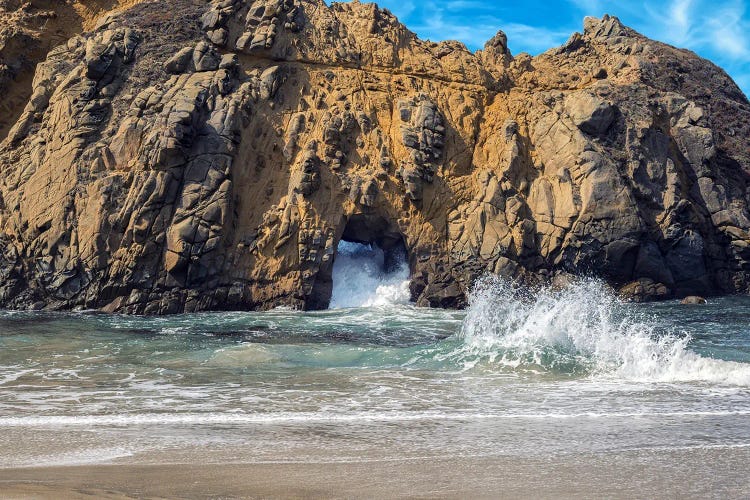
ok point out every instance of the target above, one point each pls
(191, 155)
(29, 29)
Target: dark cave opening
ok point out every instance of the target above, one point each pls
(370, 267)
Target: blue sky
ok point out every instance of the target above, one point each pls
(717, 30)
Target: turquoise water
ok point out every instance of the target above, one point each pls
(517, 374)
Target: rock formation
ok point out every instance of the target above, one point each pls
(191, 155)
(29, 30)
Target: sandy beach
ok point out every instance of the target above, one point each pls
(697, 473)
(558, 398)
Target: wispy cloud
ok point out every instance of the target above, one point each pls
(447, 21)
(716, 29)
(473, 23)
(727, 31)
(680, 14)
(536, 39)
(437, 28)
(403, 9)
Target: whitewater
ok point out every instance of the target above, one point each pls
(524, 373)
(361, 280)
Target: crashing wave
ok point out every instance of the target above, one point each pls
(581, 329)
(360, 278)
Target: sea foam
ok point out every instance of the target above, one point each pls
(359, 279)
(583, 328)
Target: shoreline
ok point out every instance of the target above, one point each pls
(687, 473)
(104, 311)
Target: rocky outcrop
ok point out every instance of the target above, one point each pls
(645, 290)
(29, 30)
(185, 156)
(693, 300)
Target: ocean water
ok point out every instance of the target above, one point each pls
(520, 373)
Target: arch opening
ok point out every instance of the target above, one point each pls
(370, 267)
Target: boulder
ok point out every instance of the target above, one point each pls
(693, 300)
(645, 290)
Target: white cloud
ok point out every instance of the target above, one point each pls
(727, 32)
(534, 39)
(436, 28)
(402, 10)
(680, 13)
(716, 29)
(719, 32)
(667, 23)
(440, 23)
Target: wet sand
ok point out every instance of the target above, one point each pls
(696, 473)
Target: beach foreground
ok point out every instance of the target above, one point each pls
(562, 394)
(691, 473)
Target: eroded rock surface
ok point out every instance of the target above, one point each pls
(191, 155)
(28, 30)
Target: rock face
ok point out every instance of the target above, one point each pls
(29, 29)
(192, 155)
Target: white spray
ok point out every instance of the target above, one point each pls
(585, 326)
(359, 279)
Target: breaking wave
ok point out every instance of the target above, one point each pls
(360, 278)
(583, 329)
